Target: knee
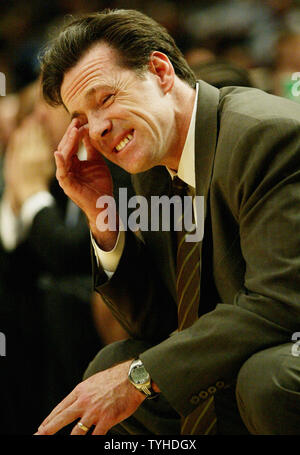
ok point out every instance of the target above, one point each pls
(268, 392)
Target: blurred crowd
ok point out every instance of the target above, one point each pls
(255, 34)
(53, 322)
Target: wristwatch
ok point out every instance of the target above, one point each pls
(140, 378)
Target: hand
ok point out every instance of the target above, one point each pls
(29, 163)
(85, 181)
(103, 400)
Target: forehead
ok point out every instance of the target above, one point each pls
(97, 66)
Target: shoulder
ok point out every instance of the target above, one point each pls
(251, 106)
(252, 123)
(258, 143)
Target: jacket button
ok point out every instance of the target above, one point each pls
(212, 390)
(220, 384)
(203, 394)
(195, 399)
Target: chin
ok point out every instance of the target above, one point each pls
(135, 165)
(137, 168)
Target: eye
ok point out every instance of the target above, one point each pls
(108, 98)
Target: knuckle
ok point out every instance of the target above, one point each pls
(79, 389)
(83, 400)
(83, 397)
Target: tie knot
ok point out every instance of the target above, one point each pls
(179, 186)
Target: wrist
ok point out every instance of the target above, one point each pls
(106, 240)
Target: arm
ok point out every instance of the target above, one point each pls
(85, 181)
(136, 294)
(108, 397)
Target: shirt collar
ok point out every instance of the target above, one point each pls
(186, 168)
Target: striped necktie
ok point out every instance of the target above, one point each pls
(203, 419)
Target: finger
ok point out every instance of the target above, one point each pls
(61, 145)
(60, 166)
(71, 147)
(100, 429)
(67, 402)
(61, 169)
(62, 419)
(87, 421)
(65, 136)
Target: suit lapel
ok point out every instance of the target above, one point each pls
(205, 136)
(205, 145)
(157, 182)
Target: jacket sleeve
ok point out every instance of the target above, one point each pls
(136, 294)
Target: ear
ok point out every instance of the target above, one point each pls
(160, 66)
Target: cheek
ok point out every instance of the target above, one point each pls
(94, 143)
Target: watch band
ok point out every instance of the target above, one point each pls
(143, 386)
(149, 392)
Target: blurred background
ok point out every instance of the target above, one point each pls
(250, 33)
(54, 324)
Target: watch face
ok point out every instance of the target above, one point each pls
(139, 375)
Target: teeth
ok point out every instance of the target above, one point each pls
(124, 141)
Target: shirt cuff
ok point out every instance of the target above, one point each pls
(109, 260)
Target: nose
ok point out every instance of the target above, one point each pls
(99, 128)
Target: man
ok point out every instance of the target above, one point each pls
(134, 99)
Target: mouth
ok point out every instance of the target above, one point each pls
(124, 142)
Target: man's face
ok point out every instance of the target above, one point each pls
(130, 118)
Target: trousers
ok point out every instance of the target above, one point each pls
(264, 400)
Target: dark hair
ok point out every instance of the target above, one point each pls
(131, 33)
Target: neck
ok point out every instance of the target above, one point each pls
(184, 96)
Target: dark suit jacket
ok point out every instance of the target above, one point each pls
(247, 168)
